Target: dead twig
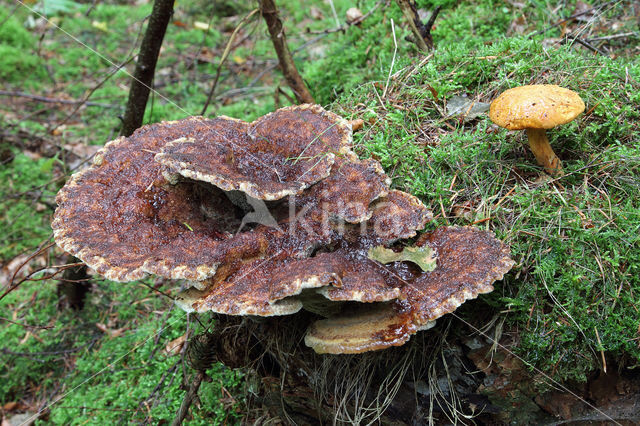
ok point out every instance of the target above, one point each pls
(224, 56)
(421, 32)
(46, 99)
(583, 43)
(191, 395)
(574, 16)
(269, 12)
(91, 92)
(46, 353)
(40, 327)
(613, 37)
(43, 246)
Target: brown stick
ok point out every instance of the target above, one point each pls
(274, 24)
(539, 145)
(74, 285)
(146, 65)
(421, 32)
(224, 58)
(192, 393)
(54, 100)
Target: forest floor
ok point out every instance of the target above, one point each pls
(558, 339)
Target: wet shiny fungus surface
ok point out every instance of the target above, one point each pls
(255, 287)
(123, 219)
(127, 216)
(369, 328)
(349, 190)
(396, 216)
(469, 260)
(277, 155)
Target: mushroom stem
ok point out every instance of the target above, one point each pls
(539, 145)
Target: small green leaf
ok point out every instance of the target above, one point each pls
(421, 256)
(47, 165)
(188, 227)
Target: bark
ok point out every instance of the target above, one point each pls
(191, 395)
(74, 285)
(274, 24)
(146, 65)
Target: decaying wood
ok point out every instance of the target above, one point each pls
(146, 65)
(274, 24)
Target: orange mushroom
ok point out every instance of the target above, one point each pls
(537, 108)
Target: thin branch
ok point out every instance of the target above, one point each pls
(421, 32)
(613, 36)
(37, 354)
(223, 58)
(191, 395)
(274, 24)
(91, 92)
(574, 16)
(584, 43)
(43, 246)
(46, 99)
(40, 327)
(322, 34)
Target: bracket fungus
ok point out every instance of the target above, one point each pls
(468, 262)
(160, 202)
(125, 220)
(537, 108)
(256, 159)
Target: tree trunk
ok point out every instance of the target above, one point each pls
(146, 65)
(274, 24)
(74, 285)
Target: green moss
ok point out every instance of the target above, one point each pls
(17, 56)
(21, 226)
(576, 243)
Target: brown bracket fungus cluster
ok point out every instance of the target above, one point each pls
(158, 202)
(537, 108)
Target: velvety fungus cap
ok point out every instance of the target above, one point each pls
(539, 106)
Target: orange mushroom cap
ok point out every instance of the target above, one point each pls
(539, 106)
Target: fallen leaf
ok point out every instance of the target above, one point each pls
(10, 406)
(174, 347)
(8, 270)
(468, 108)
(518, 26)
(110, 331)
(356, 124)
(353, 14)
(100, 25)
(24, 419)
(201, 26)
(315, 12)
(433, 91)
